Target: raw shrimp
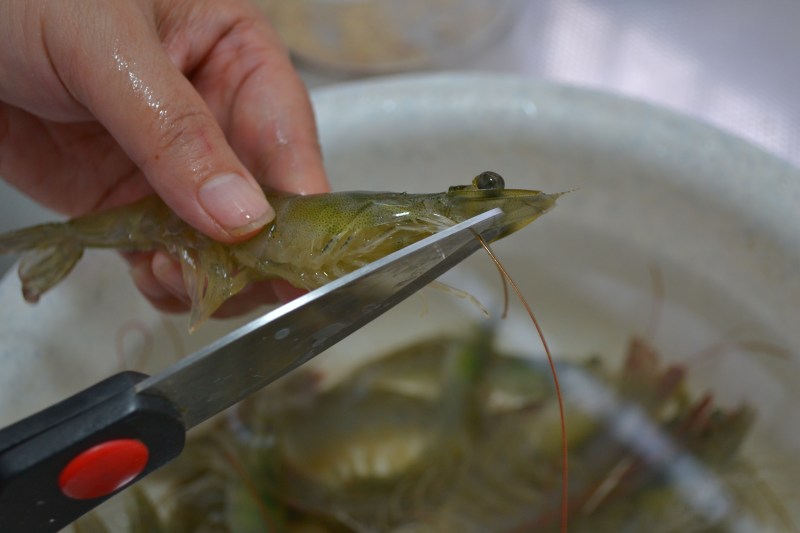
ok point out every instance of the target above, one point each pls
(450, 434)
(313, 239)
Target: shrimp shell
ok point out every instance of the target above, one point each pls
(313, 239)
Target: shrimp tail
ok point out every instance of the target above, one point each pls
(50, 253)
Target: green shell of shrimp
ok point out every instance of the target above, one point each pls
(313, 239)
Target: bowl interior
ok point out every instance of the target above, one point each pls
(674, 232)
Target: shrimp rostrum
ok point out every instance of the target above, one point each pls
(312, 240)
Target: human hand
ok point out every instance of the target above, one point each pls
(103, 102)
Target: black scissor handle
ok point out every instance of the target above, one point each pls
(65, 460)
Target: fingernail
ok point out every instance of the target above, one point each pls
(235, 203)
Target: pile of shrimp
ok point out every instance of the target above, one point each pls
(450, 434)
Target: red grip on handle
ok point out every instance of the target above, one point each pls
(103, 469)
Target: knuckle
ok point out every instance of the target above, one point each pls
(187, 133)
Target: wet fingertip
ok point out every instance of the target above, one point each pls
(162, 262)
(148, 285)
(168, 273)
(312, 179)
(308, 185)
(298, 169)
(286, 292)
(139, 271)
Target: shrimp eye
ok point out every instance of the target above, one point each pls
(489, 181)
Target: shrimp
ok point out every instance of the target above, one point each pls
(452, 434)
(313, 239)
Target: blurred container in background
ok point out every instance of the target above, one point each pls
(375, 36)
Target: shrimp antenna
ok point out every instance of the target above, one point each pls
(564, 452)
(502, 279)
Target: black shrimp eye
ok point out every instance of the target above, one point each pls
(489, 181)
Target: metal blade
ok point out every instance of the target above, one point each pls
(260, 352)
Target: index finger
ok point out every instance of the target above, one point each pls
(250, 85)
(112, 61)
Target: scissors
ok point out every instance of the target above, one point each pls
(60, 463)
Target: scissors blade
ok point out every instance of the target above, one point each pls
(260, 352)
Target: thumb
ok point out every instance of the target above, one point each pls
(165, 127)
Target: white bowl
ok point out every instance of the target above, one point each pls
(659, 196)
